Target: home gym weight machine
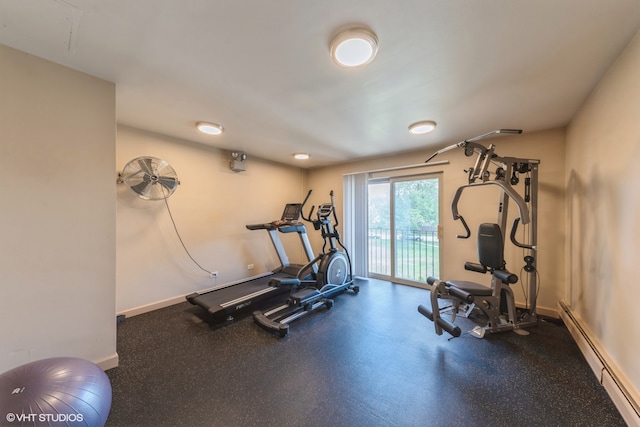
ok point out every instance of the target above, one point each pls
(497, 301)
(333, 276)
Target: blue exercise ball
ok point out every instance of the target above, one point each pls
(60, 391)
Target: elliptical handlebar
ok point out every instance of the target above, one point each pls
(333, 210)
(308, 219)
(304, 202)
(324, 211)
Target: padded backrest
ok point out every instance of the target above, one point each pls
(490, 246)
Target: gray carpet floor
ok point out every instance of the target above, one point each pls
(371, 360)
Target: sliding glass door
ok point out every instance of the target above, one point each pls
(403, 238)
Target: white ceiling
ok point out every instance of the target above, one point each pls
(261, 68)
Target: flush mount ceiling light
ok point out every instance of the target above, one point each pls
(301, 156)
(209, 128)
(353, 47)
(425, 126)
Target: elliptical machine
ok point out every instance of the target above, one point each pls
(334, 275)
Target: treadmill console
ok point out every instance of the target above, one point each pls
(290, 217)
(291, 213)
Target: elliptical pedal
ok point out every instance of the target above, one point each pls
(303, 295)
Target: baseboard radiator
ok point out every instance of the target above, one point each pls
(622, 393)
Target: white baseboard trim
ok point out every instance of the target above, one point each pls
(547, 312)
(623, 394)
(541, 311)
(152, 306)
(108, 362)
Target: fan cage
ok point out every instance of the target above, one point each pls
(150, 178)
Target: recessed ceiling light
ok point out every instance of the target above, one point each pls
(354, 47)
(301, 156)
(424, 126)
(209, 128)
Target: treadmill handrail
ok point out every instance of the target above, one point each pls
(284, 227)
(265, 226)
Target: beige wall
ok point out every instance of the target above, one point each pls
(57, 220)
(211, 207)
(480, 205)
(603, 206)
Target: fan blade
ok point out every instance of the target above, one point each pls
(131, 175)
(160, 166)
(168, 182)
(157, 192)
(145, 165)
(142, 188)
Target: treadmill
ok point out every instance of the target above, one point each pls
(230, 300)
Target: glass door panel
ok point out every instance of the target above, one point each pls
(403, 241)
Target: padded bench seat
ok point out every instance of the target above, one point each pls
(471, 287)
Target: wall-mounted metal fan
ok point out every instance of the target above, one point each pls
(150, 178)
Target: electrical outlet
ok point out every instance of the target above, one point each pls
(213, 275)
(250, 267)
